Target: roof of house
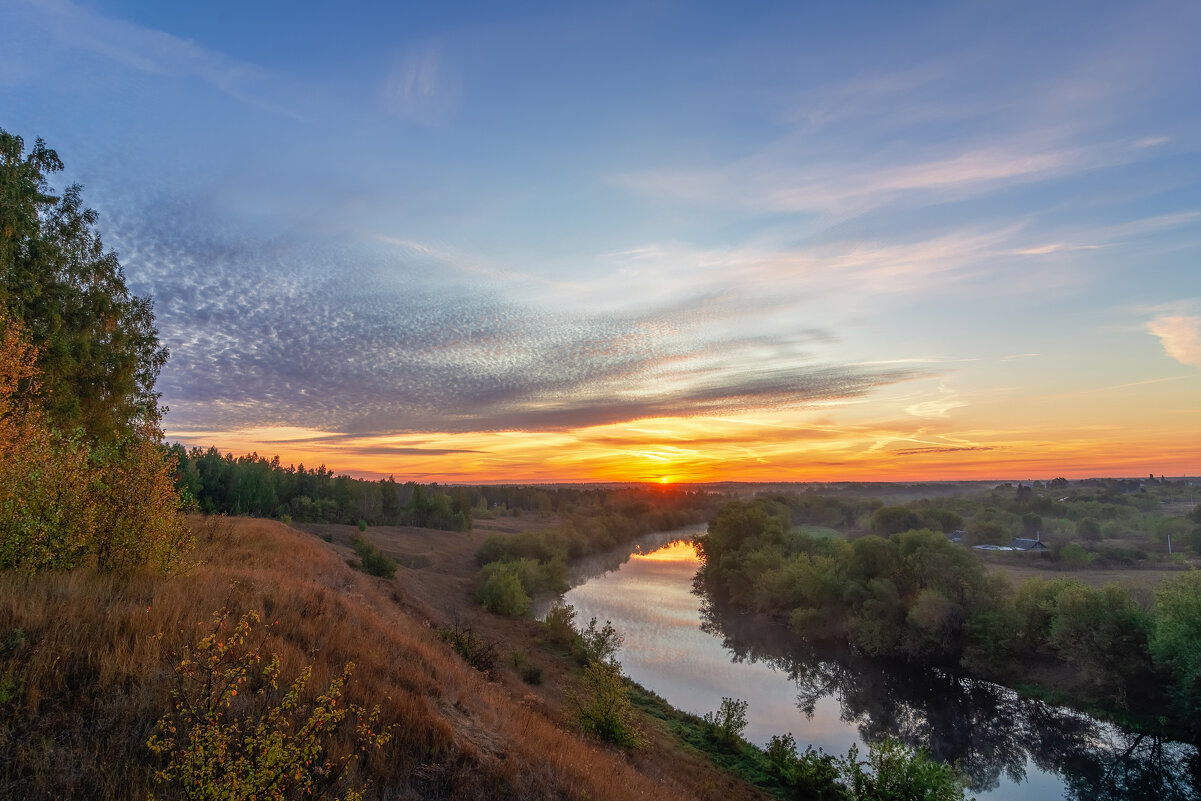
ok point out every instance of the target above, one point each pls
(1025, 544)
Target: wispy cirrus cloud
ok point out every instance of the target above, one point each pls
(778, 180)
(937, 407)
(156, 52)
(420, 87)
(1180, 336)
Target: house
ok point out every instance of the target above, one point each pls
(956, 536)
(1027, 544)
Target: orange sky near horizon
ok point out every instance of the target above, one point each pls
(756, 448)
(1019, 421)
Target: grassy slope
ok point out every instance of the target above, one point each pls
(84, 681)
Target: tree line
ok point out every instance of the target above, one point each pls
(917, 596)
(261, 487)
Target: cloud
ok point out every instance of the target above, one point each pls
(155, 52)
(1180, 336)
(420, 88)
(1152, 141)
(765, 183)
(939, 407)
(954, 449)
(371, 339)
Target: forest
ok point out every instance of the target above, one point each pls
(908, 591)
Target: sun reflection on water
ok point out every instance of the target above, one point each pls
(678, 551)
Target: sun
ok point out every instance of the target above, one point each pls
(664, 479)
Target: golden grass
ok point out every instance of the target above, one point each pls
(88, 677)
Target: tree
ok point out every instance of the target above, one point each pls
(98, 349)
(605, 710)
(1176, 641)
(64, 500)
(1103, 633)
(893, 772)
(728, 723)
(888, 520)
(501, 590)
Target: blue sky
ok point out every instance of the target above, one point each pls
(676, 240)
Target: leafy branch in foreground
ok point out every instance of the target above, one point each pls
(234, 734)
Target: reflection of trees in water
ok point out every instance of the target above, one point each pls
(989, 730)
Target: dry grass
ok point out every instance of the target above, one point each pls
(88, 677)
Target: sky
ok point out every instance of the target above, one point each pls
(648, 241)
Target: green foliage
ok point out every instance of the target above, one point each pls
(918, 596)
(362, 524)
(604, 709)
(559, 624)
(373, 561)
(890, 520)
(1070, 554)
(501, 590)
(539, 558)
(235, 734)
(1103, 634)
(1088, 528)
(893, 772)
(812, 776)
(98, 350)
(817, 532)
(600, 645)
(728, 722)
(255, 485)
(1176, 643)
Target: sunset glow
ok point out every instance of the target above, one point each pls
(665, 245)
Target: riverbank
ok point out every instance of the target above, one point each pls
(1011, 747)
(85, 673)
(436, 582)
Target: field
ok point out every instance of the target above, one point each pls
(817, 532)
(1020, 566)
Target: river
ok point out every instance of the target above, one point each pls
(692, 653)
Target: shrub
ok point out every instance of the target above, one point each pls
(1071, 554)
(893, 771)
(362, 524)
(373, 561)
(560, 624)
(728, 722)
(605, 711)
(480, 654)
(234, 735)
(813, 776)
(64, 501)
(599, 645)
(501, 591)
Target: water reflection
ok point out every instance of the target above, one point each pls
(990, 731)
(693, 652)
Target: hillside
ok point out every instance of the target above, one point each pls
(85, 673)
